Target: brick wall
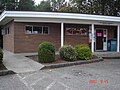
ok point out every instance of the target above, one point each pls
(8, 40)
(29, 43)
(76, 39)
(19, 42)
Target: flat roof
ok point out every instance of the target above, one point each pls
(6, 16)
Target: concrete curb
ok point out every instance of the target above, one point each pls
(117, 57)
(72, 63)
(6, 72)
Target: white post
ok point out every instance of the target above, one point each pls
(118, 38)
(92, 43)
(62, 34)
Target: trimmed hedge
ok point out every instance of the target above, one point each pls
(46, 52)
(1, 55)
(68, 53)
(83, 52)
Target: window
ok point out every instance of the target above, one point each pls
(69, 31)
(76, 31)
(28, 29)
(83, 31)
(36, 29)
(5, 31)
(45, 30)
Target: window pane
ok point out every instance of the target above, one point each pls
(8, 30)
(83, 31)
(37, 30)
(28, 29)
(69, 31)
(5, 30)
(45, 30)
(74, 31)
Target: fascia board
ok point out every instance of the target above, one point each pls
(22, 14)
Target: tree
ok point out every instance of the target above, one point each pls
(8, 5)
(44, 6)
(99, 7)
(102, 7)
(57, 4)
(83, 6)
(108, 7)
(68, 8)
(114, 7)
(1, 5)
(26, 5)
(12, 5)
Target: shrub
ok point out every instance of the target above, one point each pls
(1, 55)
(68, 53)
(83, 52)
(46, 52)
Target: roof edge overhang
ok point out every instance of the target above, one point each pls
(6, 16)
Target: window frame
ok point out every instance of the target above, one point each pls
(26, 30)
(36, 33)
(6, 30)
(48, 30)
(72, 30)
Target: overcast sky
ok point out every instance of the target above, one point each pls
(38, 1)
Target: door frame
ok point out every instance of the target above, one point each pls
(103, 42)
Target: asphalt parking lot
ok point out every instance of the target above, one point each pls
(103, 75)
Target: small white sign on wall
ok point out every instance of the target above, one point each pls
(105, 46)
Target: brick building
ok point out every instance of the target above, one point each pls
(24, 31)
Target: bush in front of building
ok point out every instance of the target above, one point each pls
(83, 52)
(1, 55)
(46, 52)
(68, 53)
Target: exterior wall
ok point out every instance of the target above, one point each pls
(8, 40)
(76, 39)
(29, 42)
(19, 42)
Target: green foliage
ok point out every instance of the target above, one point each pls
(57, 4)
(44, 6)
(68, 53)
(46, 52)
(83, 52)
(48, 45)
(8, 4)
(68, 9)
(13, 5)
(46, 56)
(104, 7)
(26, 5)
(1, 55)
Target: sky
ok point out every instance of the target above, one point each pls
(38, 1)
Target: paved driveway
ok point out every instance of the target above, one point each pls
(96, 76)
